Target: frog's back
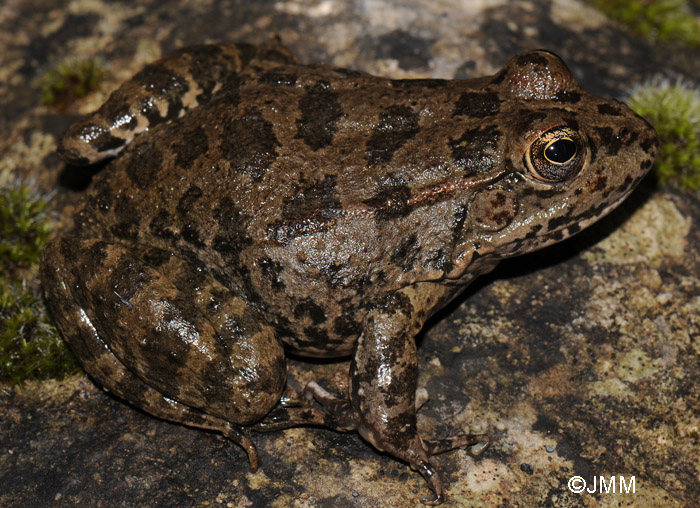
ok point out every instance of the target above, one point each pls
(272, 153)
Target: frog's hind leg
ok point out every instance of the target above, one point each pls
(141, 334)
(163, 91)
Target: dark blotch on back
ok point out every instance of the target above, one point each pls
(438, 260)
(92, 259)
(186, 203)
(397, 124)
(249, 144)
(161, 225)
(189, 281)
(232, 226)
(348, 73)
(185, 209)
(101, 200)
(310, 200)
(320, 113)
(478, 105)
(129, 220)
(142, 163)
(273, 54)
(194, 144)
(155, 258)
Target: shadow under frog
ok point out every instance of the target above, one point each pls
(258, 206)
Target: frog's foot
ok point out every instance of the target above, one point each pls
(339, 409)
(293, 410)
(414, 451)
(172, 350)
(478, 442)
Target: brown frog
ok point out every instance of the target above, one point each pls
(261, 206)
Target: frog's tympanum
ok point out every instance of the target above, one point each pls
(258, 206)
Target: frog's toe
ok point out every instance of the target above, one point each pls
(432, 477)
(238, 435)
(478, 442)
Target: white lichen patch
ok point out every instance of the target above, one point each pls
(655, 232)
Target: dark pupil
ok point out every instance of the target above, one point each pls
(561, 151)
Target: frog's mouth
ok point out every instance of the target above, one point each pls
(570, 230)
(520, 246)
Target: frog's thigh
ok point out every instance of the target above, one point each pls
(161, 333)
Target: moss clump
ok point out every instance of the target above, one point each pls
(674, 111)
(30, 346)
(24, 228)
(660, 20)
(71, 80)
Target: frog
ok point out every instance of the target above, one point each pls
(252, 207)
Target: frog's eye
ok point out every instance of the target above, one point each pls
(556, 155)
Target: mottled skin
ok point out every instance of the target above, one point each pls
(274, 207)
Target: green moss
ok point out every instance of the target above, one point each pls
(24, 228)
(30, 346)
(659, 20)
(674, 111)
(70, 80)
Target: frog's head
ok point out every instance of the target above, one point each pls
(566, 158)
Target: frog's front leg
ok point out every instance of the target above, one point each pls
(383, 381)
(164, 90)
(164, 334)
